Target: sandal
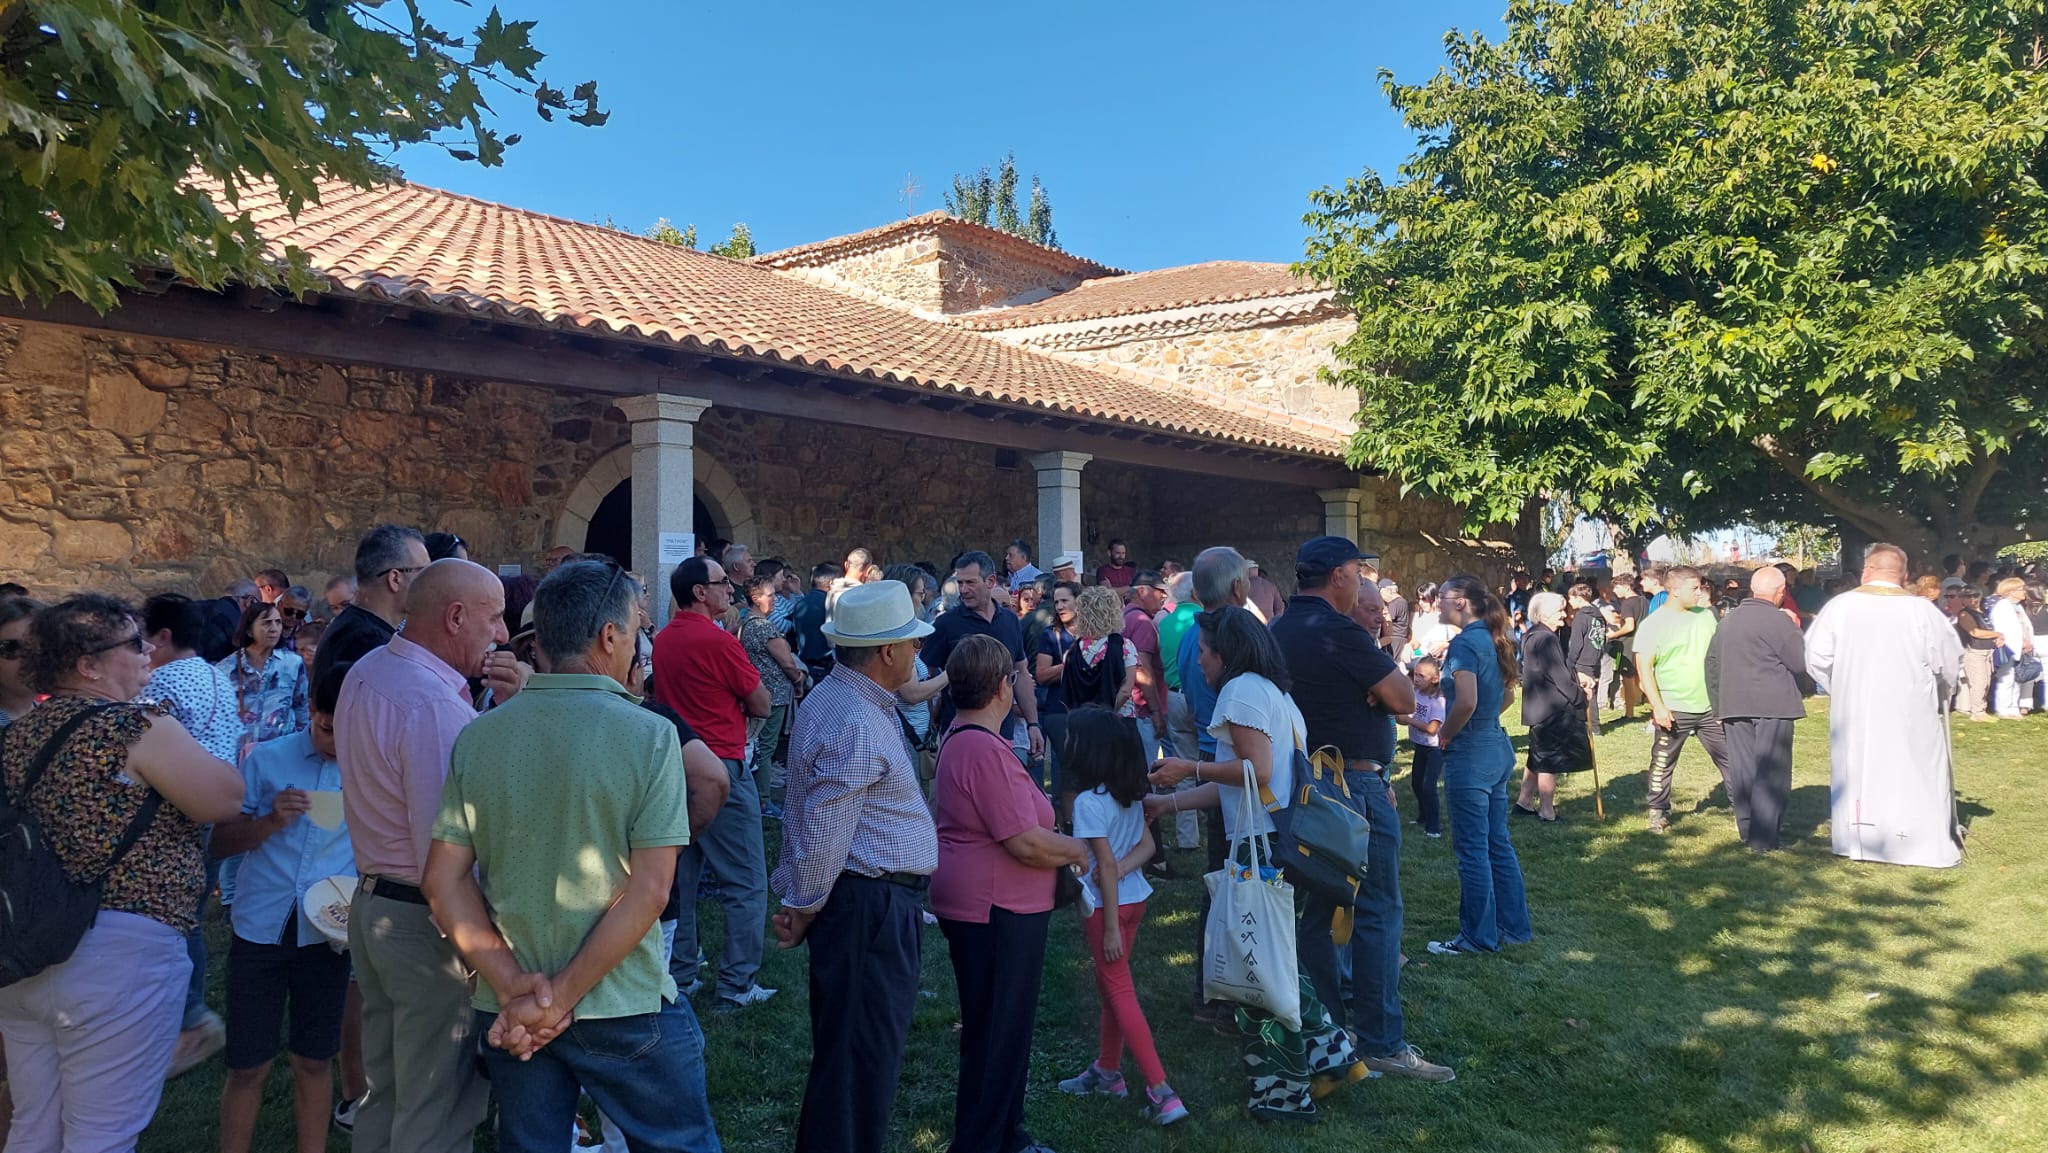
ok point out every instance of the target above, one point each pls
(1520, 811)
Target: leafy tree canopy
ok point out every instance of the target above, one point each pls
(738, 245)
(990, 198)
(107, 107)
(1706, 261)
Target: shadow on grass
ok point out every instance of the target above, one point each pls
(1737, 1001)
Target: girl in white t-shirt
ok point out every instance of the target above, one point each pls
(1104, 763)
(1423, 725)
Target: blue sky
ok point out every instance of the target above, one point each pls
(1166, 133)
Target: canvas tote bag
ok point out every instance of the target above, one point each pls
(1248, 943)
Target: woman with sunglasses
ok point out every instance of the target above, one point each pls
(17, 616)
(269, 678)
(90, 1039)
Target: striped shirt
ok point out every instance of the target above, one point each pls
(853, 803)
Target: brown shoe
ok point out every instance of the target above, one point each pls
(1409, 1063)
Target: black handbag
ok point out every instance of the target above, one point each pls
(1324, 837)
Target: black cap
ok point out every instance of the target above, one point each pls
(1149, 578)
(1325, 555)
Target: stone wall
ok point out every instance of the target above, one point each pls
(139, 466)
(1274, 364)
(819, 489)
(930, 272)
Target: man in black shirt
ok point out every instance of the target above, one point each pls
(1756, 674)
(387, 558)
(1349, 692)
(809, 619)
(1398, 620)
(975, 575)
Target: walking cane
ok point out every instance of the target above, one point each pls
(1593, 757)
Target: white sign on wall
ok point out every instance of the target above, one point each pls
(677, 547)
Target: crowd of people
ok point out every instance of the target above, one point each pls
(528, 784)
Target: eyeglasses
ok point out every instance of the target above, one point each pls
(134, 641)
(408, 570)
(13, 650)
(292, 614)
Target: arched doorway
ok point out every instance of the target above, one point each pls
(611, 526)
(720, 508)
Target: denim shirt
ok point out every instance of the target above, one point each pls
(1472, 652)
(276, 874)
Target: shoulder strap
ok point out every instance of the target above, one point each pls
(51, 748)
(136, 828)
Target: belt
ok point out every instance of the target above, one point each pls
(1366, 766)
(915, 882)
(392, 890)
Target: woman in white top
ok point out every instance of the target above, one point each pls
(2010, 696)
(1258, 728)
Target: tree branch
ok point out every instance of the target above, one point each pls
(1879, 522)
(1973, 490)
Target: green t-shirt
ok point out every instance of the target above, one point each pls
(1171, 628)
(1674, 641)
(554, 790)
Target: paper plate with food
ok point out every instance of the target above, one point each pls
(326, 905)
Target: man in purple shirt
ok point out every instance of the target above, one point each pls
(400, 711)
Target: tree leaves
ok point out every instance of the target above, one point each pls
(109, 109)
(1636, 244)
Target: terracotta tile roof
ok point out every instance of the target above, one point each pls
(1193, 285)
(423, 247)
(938, 224)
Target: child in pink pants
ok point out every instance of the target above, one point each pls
(1103, 761)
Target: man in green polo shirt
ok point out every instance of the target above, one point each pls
(1671, 661)
(1180, 719)
(560, 823)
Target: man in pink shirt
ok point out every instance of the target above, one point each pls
(394, 727)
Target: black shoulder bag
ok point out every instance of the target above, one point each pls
(43, 912)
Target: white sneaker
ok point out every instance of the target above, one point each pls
(753, 995)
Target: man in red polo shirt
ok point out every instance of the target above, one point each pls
(702, 673)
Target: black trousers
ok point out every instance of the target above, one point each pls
(1424, 778)
(997, 966)
(1759, 776)
(864, 968)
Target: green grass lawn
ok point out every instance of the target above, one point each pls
(1681, 994)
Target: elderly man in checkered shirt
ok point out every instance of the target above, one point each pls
(857, 847)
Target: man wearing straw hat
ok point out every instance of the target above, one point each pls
(857, 848)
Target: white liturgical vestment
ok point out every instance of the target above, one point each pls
(1889, 661)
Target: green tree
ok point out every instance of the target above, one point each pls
(738, 246)
(1713, 261)
(109, 108)
(668, 233)
(990, 198)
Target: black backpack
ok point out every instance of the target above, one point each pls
(43, 912)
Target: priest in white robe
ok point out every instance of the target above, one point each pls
(1889, 662)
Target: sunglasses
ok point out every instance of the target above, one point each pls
(406, 570)
(133, 641)
(13, 650)
(292, 614)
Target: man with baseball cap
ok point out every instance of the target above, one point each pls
(858, 846)
(1349, 691)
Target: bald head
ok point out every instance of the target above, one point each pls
(1885, 562)
(1767, 584)
(455, 609)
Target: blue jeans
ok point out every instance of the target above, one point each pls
(732, 849)
(1493, 907)
(1374, 971)
(645, 1072)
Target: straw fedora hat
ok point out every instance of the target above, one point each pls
(878, 613)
